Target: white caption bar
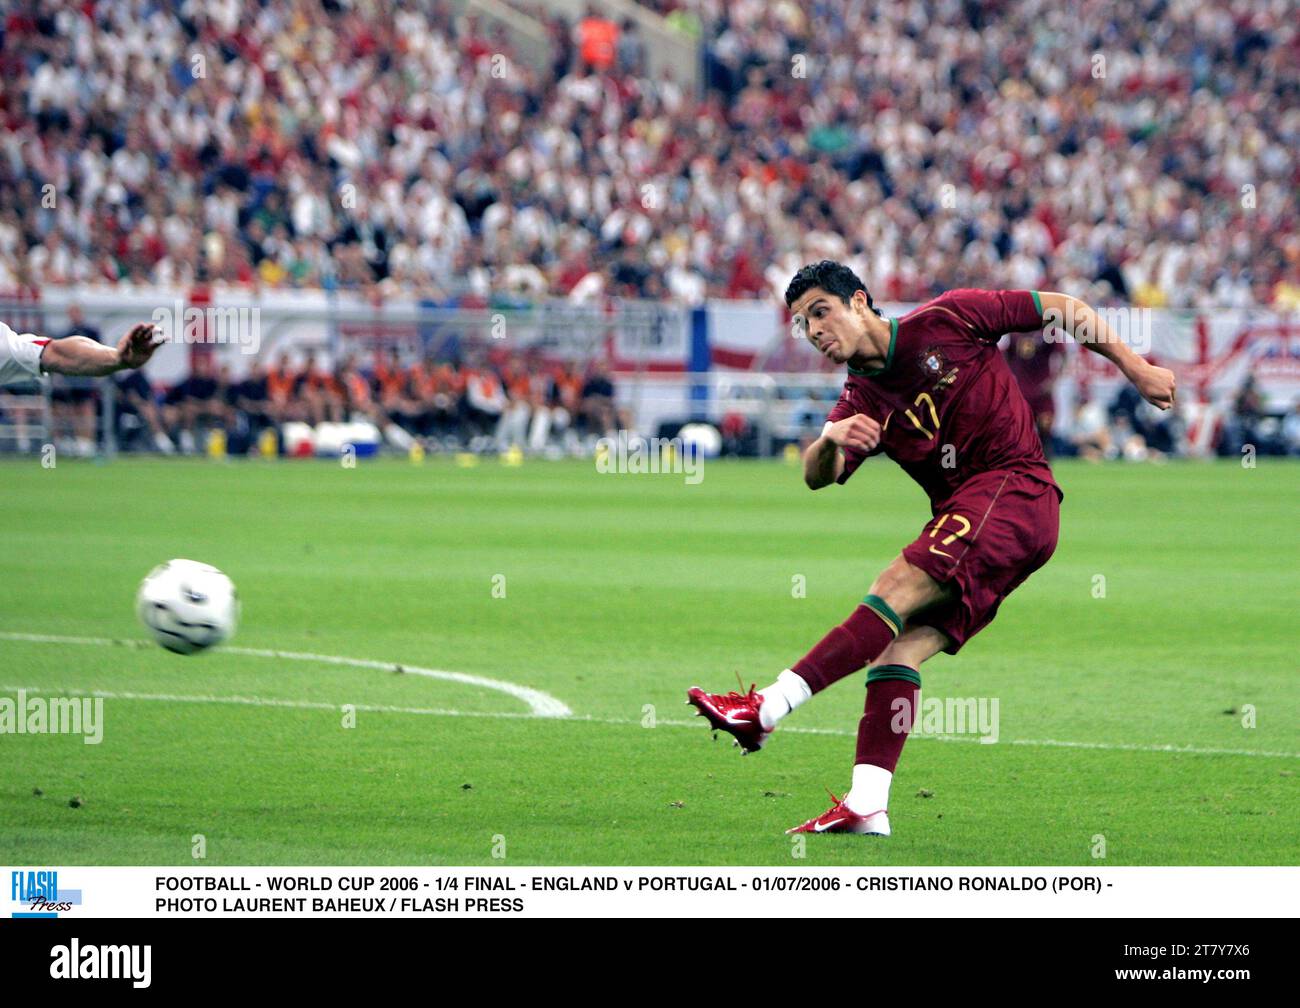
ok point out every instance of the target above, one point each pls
(76, 893)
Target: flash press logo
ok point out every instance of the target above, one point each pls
(39, 895)
(75, 961)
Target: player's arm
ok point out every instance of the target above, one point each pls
(1156, 384)
(77, 355)
(823, 462)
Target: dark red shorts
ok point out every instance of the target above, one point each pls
(990, 535)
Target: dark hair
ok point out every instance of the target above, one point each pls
(832, 277)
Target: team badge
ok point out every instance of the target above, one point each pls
(932, 362)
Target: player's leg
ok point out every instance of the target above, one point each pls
(899, 591)
(999, 530)
(84, 407)
(893, 692)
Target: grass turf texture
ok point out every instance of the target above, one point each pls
(621, 591)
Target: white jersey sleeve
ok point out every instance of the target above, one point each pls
(20, 356)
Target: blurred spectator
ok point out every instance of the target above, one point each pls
(554, 411)
(280, 383)
(1291, 430)
(1155, 428)
(319, 392)
(597, 38)
(596, 411)
(1090, 432)
(485, 400)
(195, 405)
(1241, 419)
(74, 400)
(249, 407)
(138, 419)
(631, 50)
(736, 432)
(1130, 444)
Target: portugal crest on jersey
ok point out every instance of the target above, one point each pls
(932, 362)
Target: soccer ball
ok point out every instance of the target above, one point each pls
(187, 606)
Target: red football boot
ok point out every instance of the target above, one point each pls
(841, 819)
(734, 713)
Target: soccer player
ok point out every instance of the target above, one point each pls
(931, 391)
(25, 356)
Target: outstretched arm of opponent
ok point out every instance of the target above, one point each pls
(1156, 384)
(77, 355)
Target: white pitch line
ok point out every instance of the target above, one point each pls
(541, 704)
(591, 719)
(246, 701)
(1166, 748)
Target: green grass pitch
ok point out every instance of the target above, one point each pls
(620, 591)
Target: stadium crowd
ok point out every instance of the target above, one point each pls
(1145, 155)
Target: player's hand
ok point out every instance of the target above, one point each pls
(858, 432)
(137, 346)
(1156, 385)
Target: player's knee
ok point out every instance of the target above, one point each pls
(906, 588)
(916, 645)
(896, 584)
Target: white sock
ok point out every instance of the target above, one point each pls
(870, 791)
(783, 696)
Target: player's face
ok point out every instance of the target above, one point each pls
(835, 329)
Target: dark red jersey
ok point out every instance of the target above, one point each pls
(945, 398)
